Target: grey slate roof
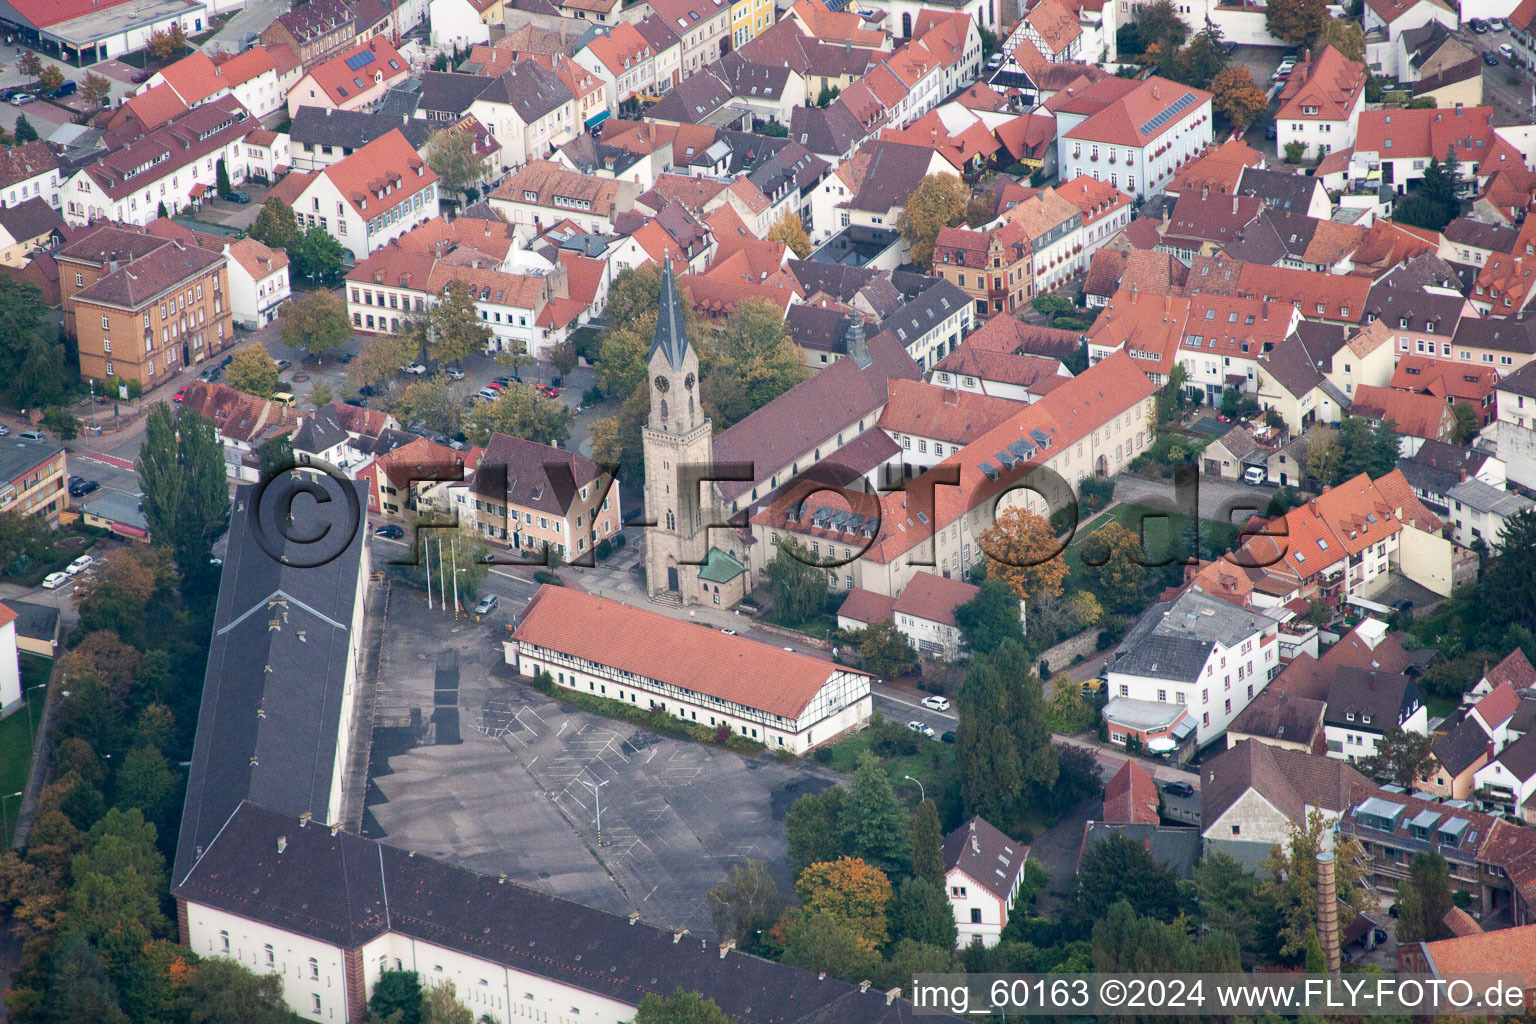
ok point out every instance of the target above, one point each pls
(352, 129)
(447, 96)
(277, 668)
(18, 457)
(344, 890)
(1290, 780)
(671, 337)
(531, 89)
(1484, 497)
(693, 99)
(1280, 191)
(817, 327)
(829, 131)
(30, 219)
(1177, 849)
(1459, 748)
(1174, 638)
(319, 432)
(926, 311)
(894, 172)
(1437, 467)
(1280, 716)
(1515, 334)
(984, 853)
(35, 621)
(1364, 700)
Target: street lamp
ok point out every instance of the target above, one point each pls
(597, 798)
(920, 789)
(31, 737)
(5, 820)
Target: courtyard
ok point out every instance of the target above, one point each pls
(471, 765)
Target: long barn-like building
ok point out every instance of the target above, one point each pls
(784, 699)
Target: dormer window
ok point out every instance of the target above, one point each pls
(1309, 111)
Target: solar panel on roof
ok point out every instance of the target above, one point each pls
(358, 60)
(1177, 107)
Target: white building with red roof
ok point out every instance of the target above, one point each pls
(255, 77)
(1134, 135)
(622, 60)
(924, 613)
(1386, 20)
(1399, 144)
(692, 672)
(355, 79)
(1321, 104)
(371, 197)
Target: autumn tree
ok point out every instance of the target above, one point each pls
(1343, 34)
(430, 402)
(275, 225)
(1235, 95)
(253, 371)
(316, 322)
(380, 359)
(520, 411)
(453, 157)
(1025, 554)
(886, 650)
(853, 892)
(95, 89)
(166, 42)
(1296, 21)
(938, 202)
(747, 902)
(50, 79)
(30, 64)
(789, 230)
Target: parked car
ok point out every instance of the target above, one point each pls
(5, 431)
(83, 488)
(1402, 606)
(936, 703)
(369, 391)
(487, 604)
(454, 373)
(32, 435)
(1180, 789)
(55, 580)
(1507, 50)
(549, 392)
(510, 378)
(237, 197)
(415, 368)
(357, 403)
(180, 396)
(922, 730)
(487, 394)
(69, 88)
(1491, 59)
(390, 530)
(282, 364)
(140, 77)
(208, 374)
(495, 385)
(11, 94)
(344, 358)
(79, 565)
(1497, 24)
(948, 737)
(1478, 25)
(727, 632)
(1253, 476)
(22, 100)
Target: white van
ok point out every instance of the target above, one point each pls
(1254, 476)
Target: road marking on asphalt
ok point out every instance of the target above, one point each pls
(919, 707)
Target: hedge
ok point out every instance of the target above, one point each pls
(655, 721)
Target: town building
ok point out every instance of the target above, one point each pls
(354, 79)
(149, 315)
(1480, 512)
(27, 230)
(1252, 793)
(321, 136)
(780, 698)
(931, 423)
(313, 31)
(1364, 705)
(29, 171)
(241, 422)
(537, 499)
(983, 869)
(1196, 652)
(1133, 134)
(34, 479)
(1320, 104)
(924, 613)
(368, 199)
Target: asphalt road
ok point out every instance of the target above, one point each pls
(1506, 87)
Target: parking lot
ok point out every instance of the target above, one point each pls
(473, 766)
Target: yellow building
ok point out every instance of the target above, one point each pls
(750, 19)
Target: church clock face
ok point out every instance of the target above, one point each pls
(688, 382)
(662, 384)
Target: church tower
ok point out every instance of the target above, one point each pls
(677, 442)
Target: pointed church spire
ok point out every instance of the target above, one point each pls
(671, 337)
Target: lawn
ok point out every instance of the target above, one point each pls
(933, 764)
(15, 760)
(1159, 532)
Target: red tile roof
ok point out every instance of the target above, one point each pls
(933, 597)
(1130, 797)
(1055, 23)
(1516, 670)
(1497, 707)
(1131, 119)
(341, 81)
(1329, 86)
(1444, 378)
(866, 606)
(1415, 415)
(1502, 951)
(388, 162)
(926, 410)
(684, 654)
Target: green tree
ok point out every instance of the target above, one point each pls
(430, 402)
(1363, 448)
(990, 617)
(1292, 870)
(746, 903)
(117, 879)
(1200, 62)
(1068, 711)
(1003, 750)
(253, 371)
(938, 202)
(886, 650)
(320, 395)
(819, 941)
(397, 992)
(452, 555)
(32, 359)
(748, 362)
(145, 781)
(1111, 559)
(275, 225)
(1230, 898)
(79, 990)
(316, 322)
(814, 828)
(1512, 575)
(24, 130)
(317, 258)
(453, 158)
(1347, 35)
(1117, 869)
(1159, 23)
(62, 422)
(457, 330)
(274, 455)
(679, 1008)
(521, 412)
(221, 991)
(1424, 899)
(562, 356)
(186, 492)
(441, 1006)
(797, 587)
(221, 178)
(1296, 21)
(1467, 424)
(927, 842)
(920, 911)
(1401, 758)
(874, 826)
